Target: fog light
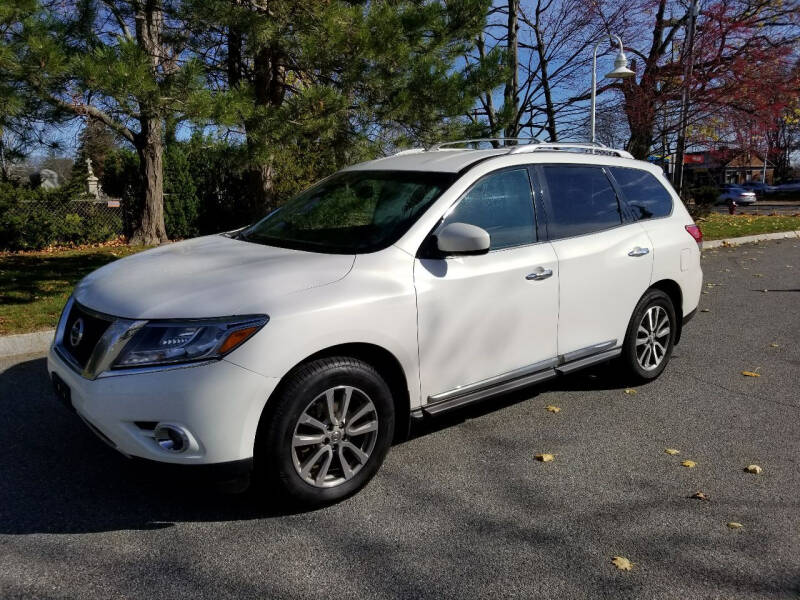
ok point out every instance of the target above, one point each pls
(171, 437)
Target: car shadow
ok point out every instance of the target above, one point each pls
(58, 477)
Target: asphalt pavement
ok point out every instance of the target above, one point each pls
(463, 510)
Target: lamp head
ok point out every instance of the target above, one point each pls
(621, 70)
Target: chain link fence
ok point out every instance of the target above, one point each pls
(37, 222)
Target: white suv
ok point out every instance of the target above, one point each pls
(396, 289)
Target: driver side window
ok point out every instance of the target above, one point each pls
(502, 205)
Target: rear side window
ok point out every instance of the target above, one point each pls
(644, 194)
(501, 204)
(578, 200)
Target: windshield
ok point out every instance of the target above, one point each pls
(351, 212)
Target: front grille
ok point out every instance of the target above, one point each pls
(93, 328)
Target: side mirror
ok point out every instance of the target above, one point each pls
(462, 238)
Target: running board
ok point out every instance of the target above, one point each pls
(514, 380)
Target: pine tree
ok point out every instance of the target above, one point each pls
(316, 85)
(121, 63)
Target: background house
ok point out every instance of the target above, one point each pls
(725, 165)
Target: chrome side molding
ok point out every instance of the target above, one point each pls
(519, 378)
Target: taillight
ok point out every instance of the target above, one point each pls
(695, 232)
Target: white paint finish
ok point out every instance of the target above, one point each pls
(210, 276)
(480, 317)
(676, 255)
(375, 304)
(686, 256)
(600, 285)
(219, 403)
(444, 161)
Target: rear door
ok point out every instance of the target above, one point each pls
(605, 258)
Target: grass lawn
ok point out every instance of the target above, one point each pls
(717, 227)
(35, 286)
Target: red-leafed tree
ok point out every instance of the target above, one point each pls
(738, 43)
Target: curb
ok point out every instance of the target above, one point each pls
(25, 343)
(750, 239)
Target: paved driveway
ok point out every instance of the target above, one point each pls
(463, 510)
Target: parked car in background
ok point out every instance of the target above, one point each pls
(759, 188)
(788, 186)
(395, 290)
(731, 191)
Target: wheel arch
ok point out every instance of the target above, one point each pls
(672, 289)
(383, 361)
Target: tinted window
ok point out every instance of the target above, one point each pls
(350, 212)
(502, 205)
(643, 193)
(578, 200)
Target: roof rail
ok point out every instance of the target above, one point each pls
(589, 147)
(409, 151)
(440, 145)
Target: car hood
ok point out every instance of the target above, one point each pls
(210, 276)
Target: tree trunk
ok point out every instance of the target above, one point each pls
(511, 91)
(269, 79)
(150, 147)
(550, 110)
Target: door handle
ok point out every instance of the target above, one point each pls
(639, 251)
(539, 273)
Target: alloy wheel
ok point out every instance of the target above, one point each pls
(652, 338)
(334, 436)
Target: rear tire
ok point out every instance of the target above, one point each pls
(650, 337)
(326, 432)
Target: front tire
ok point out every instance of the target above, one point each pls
(326, 432)
(650, 337)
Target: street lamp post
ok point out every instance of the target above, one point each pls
(621, 71)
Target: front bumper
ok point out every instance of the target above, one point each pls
(218, 403)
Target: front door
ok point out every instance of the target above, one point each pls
(484, 316)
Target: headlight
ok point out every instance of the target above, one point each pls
(169, 342)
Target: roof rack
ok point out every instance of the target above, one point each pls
(441, 145)
(533, 145)
(588, 147)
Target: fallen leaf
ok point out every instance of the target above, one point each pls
(757, 275)
(689, 464)
(774, 345)
(672, 451)
(630, 391)
(622, 563)
(552, 409)
(735, 525)
(545, 457)
(754, 469)
(706, 293)
(750, 374)
(700, 496)
(705, 310)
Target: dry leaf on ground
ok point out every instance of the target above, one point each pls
(735, 525)
(700, 496)
(622, 563)
(630, 391)
(545, 457)
(690, 464)
(705, 310)
(552, 409)
(751, 374)
(774, 345)
(754, 469)
(672, 451)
